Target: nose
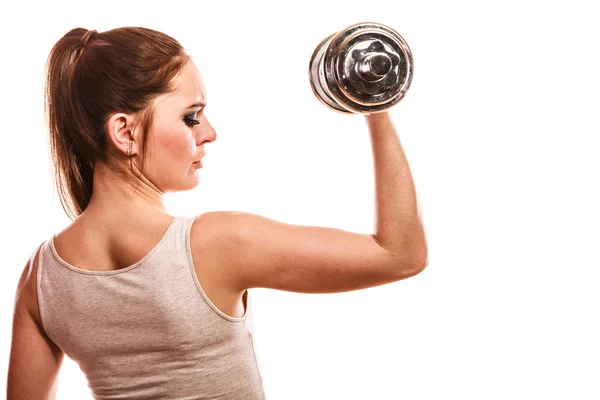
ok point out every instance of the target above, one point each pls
(206, 134)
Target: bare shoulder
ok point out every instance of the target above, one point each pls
(218, 230)
(211, 227)
(211, 242)
(214, 234)
(27, 287)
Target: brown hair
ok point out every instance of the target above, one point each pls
(89, 76)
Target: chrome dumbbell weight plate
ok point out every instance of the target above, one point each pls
(365, 68)
(317, 77)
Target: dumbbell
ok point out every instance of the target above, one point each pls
(365, 68)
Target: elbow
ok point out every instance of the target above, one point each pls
(421, 265)
(415, 265)
(412, 269)
(411, 259)
(421, 256)
(422, 260)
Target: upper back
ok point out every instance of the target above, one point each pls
(147, 330)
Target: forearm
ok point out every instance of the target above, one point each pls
(398, 225)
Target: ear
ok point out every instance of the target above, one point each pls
(120, 126)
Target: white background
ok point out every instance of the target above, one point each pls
(500, 127)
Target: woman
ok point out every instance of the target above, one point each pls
(154, 306)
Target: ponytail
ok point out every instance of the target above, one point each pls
(70, 147)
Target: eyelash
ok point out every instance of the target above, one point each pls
(190, 121)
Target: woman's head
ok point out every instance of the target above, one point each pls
(127, 88)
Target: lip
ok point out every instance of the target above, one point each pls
(197, 164)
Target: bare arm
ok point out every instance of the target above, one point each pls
(34, 360)
(398, 228)
(250, 251)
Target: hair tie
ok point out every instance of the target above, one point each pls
(86, 36)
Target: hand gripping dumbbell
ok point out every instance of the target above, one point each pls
(365, 68)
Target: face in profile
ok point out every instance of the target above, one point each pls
(178, 134)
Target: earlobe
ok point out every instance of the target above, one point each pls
(119, 128)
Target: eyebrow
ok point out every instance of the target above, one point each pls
(199, 104)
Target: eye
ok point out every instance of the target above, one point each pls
(190, 120)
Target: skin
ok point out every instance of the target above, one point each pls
(172, 148)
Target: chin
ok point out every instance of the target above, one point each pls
(185, 185)
(193, 183)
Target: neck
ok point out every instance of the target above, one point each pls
(112, 195)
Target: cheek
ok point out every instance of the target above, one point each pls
(175, 144)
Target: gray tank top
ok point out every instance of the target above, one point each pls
(148, 331)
